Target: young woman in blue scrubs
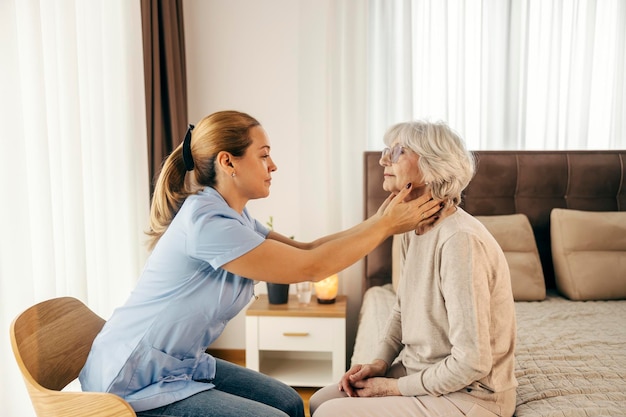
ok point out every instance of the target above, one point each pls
(207, 253)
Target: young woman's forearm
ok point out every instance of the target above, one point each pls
(339, 235)
(346, 248)
(275, 261)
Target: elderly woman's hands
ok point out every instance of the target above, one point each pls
(367, 381)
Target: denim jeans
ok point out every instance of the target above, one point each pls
(238, 392)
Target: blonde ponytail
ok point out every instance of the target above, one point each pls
(169, 194)
(221, 131)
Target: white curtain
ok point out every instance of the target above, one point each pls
(506, 74)
(516, 74)
(332, 130)
(73, 161)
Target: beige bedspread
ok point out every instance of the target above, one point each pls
(571, 355)
(571, 358)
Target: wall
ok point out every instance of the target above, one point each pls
(269, 58)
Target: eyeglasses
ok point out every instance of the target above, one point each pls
(393, 153)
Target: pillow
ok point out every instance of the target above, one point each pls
(515, 236)
(589, 253)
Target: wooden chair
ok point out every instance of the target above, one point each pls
(51, 341)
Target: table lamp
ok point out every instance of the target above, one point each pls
(326, 289)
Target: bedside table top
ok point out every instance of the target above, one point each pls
(262, 307)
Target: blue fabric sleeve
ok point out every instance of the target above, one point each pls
(218, 238)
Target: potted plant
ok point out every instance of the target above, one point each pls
(276, 293)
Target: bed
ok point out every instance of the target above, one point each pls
(560, 218)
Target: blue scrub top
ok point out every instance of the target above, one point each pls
(151, 351)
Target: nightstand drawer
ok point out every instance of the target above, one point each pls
(297, 334)
(300, 345)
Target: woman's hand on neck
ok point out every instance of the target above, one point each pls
(430, 222)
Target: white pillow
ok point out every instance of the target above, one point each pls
(589, 253)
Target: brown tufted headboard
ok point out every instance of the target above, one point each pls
(508, 182)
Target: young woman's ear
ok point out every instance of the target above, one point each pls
(224, 161)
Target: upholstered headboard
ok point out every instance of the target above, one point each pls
(508, 182)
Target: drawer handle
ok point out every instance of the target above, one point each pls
(296, 334)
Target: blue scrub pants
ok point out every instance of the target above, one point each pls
(238, 392)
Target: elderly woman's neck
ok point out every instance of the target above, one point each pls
(438, 217)
(417, 191)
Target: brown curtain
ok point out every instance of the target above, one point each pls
(165, 78)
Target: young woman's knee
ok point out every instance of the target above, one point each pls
(293, 405)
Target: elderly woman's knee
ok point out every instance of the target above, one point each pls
(323, 396)
(326, 409)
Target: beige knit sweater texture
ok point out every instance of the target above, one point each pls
(453, 324)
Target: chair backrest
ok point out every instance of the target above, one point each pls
(51, 341)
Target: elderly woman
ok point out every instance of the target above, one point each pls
(448, 346)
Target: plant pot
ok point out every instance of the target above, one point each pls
(278, 293)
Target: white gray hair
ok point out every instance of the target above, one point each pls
(444, 161)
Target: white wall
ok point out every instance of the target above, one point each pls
(269, 59)
(242, 55)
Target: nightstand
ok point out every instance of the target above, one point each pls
(300, 345)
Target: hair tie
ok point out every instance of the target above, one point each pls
(187, 158)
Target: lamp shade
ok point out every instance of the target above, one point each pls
(326, 289)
